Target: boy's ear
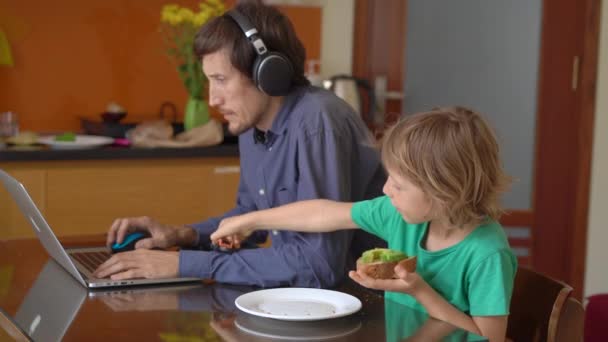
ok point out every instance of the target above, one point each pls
(437, 209)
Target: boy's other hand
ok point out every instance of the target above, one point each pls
(406, 282)
(233, 229)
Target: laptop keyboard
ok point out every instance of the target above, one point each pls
(90, 260)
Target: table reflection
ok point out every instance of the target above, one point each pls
(51, 304)
(406, 324)
(297, 331)
(56, 307)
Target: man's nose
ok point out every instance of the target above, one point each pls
(214, 98)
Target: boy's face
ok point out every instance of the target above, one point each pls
(409, 200)
(233, 94)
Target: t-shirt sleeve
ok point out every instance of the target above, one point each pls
(372, 216)
(490, 284)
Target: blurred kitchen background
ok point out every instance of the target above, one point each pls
(531, 66)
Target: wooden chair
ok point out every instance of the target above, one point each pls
(571, 322)
(542, 310)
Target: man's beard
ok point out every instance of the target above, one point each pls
(236, 129)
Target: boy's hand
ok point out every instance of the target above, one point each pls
(233, 229)
(407, 282)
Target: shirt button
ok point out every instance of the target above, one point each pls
(270, 149)
(261, 192)
(274, 232)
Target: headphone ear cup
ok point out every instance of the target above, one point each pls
(255, 71)
(272, 74)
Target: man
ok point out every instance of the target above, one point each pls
(296, 142)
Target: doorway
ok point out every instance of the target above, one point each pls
(548, 227)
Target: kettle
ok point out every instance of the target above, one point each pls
(355, 91)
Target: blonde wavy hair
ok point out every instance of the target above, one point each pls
(451, 154)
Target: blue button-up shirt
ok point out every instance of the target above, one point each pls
(317, 147)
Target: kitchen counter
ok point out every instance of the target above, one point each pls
(229, 149)
(83, 191)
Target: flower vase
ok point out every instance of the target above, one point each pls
(196, 113)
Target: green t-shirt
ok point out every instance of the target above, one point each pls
(475, 275)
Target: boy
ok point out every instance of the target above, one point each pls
(441, 205)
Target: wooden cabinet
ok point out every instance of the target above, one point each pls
(84, 197)
(12, 222)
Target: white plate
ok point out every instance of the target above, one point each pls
(297, 331)
(82, 141)
(298, 304)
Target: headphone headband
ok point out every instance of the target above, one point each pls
(249, 30)
(271, 72)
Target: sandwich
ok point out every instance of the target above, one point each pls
(379, 263)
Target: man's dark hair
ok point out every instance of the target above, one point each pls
(273, 27)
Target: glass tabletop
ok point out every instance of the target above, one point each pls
(47, 304)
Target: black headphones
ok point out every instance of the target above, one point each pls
(272, 71)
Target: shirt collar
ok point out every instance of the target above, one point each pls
(261, 137)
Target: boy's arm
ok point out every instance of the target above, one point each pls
(432, 330)
(492, 327)
(244, 204)
(305, 216)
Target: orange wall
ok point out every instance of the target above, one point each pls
(72, 57)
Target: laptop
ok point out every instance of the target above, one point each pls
(54, 300)
(79, 262)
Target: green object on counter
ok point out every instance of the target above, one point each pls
(382, 255)
(196, 113)
(6, 58)
(67, 136)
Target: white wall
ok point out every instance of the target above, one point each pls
(336, 33)
(596, 277)
(450, 60)
(337, 37)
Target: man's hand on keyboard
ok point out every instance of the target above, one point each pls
(140, 263)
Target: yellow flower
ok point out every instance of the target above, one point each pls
(174, 19)
(178, 27)
(186, 15)
(215, 7)
(168, 12)
(200, 18)
(170, 15)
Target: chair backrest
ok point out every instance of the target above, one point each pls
(571, 322)
(537, 305)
